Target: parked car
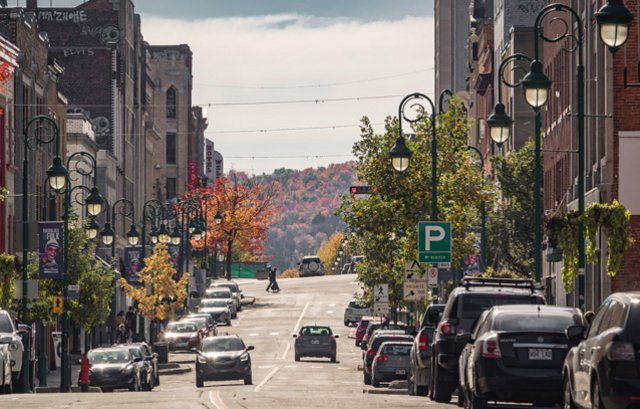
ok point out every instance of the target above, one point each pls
(315, 341)
(222, 293)
(6, 384)
(310, 266)
(148, 364)
(211, 323)
(464, 306)
(362, 327)
(356, 310)
(8, 329)
(514, 352)
(420, 356)
(377, 339)
(391, 362)
(601, 371)
(223, 358)
(182, 335)
(114, 368)
(376, 325)
(203, 324)
(236, 292)
(218, 309)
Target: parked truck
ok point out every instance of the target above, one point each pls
(420, 357)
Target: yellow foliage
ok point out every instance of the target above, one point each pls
(329, 250)
(161, 293)
(290, 273)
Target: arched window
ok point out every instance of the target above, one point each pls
(171, 103)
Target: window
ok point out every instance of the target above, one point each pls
(171, 103)
(593, 329)
(171, 188)
(171, 148)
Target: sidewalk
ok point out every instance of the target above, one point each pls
(53, 381)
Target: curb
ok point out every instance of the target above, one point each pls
(177, 371)
(74, 389)
(385, 391)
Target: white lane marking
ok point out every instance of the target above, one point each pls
(286, 350)
(274, 333)
(265, 366)
(266, 379)
(332, 305)
(316, 367)
(291, 366)
(304, 310)
(255, 334)
(343, 369)
(329, 312)
(214, 398)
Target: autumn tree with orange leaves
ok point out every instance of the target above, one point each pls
(160, 293)
(247, 213)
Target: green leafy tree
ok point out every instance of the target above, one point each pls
(8, 275)
(511, 232)
(386, 221)
(93, 276)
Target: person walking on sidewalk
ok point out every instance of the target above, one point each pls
(273, 284)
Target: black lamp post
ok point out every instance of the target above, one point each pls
(614, 20)
(93, 202)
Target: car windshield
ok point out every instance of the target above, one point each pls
(199, 322)
(474, 305)
(112, 356)
(311, 260)
(384, 338)
(396, 349)
(315, 331)
(181, 327)
(222, 344)
(213, 303)
(357, 304)
(135, 352)
(5, 323)
(534, 322)
(226, 293)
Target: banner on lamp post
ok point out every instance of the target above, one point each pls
(51, 254)
(133, 263)
(193, 174)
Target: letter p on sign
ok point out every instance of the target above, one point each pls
(434, 242)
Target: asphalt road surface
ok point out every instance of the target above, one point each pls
(278, 381)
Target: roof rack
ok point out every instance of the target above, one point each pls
(498, 282)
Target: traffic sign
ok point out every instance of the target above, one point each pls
(381, 293)
(434, 242)
(58, 303)
(415, 291)
(413, 271)
(381, 308)
(73, 291)
(432, 277)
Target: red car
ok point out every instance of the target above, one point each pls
(361, 329)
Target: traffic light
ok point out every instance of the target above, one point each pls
(361, 190)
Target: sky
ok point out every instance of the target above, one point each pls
(286, 82)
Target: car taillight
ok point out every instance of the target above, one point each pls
(422, 342)
(371, 353)
(620, 351)
(491, 348)
(447, 328)
(382, 358)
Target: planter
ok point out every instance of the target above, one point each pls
(554, 255)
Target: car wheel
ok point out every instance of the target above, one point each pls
(297, 357)
(333, 358)
(367, 379)
(476, 402)
(346, 323)
(199, 382)
(106, 390)
(374, 381)
(596, 400)
(156, 380)
(441, 392)
(229, 322)
(248, 380)
(421, 390)
(567, 398)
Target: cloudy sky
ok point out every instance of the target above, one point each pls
(286, 82)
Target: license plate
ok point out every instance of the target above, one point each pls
(315, 342)
(539, 354)
(401, 372)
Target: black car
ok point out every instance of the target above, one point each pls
(464, 306)
(315, 341)
(149, 376)
(514, 352)
(114, 368)
(602, 370)
(376, 340)
(223, 358)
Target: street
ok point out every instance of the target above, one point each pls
(278, 381)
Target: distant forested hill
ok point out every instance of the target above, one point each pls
(307, 200)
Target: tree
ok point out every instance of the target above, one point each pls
(161, 291)
(386, 221)
(93, 276)
(247, 213)
(8, 274)
(511, 232)
(329, 250)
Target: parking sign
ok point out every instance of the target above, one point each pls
(434, 242)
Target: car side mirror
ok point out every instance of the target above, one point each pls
(575, 334)
(22, 328)
(250, 348)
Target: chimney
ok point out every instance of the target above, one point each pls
(32, 5)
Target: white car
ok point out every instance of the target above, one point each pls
(9, 336)
(356, 310)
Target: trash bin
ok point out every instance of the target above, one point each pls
(162, 349)
(57, 347)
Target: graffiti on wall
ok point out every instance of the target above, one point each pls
(75, 16)
(108, 33)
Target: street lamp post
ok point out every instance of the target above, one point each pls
(60, 181)
(50, 135)
(126, 209)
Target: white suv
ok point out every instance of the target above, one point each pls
(311, 266)
(356, 310)
(9, 335)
